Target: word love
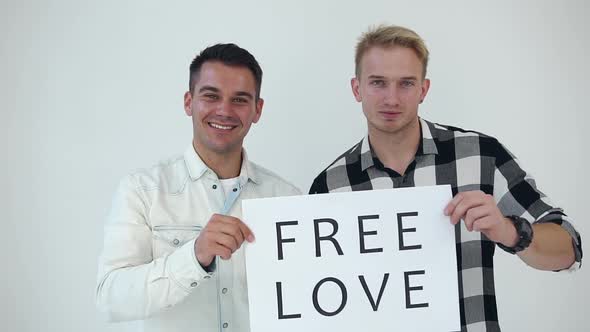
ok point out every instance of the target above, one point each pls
(331, 239)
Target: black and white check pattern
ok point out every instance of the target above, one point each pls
(467, 161)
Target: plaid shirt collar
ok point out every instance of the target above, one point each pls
(427, 145)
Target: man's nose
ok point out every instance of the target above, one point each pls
(392, 95)
(225, 108)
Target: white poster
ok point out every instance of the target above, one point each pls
(381, 260)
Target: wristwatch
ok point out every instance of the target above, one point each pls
(525, 235)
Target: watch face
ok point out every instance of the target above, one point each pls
(525, 233)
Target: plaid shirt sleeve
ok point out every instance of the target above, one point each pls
(516, 193)
(319, 185)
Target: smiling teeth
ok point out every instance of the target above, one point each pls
(218, 126)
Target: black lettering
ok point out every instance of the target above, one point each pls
(342, 302)
(368, 292)
(280, 239)
(409, 304)
(280, 304)
(362, 234)
(318, 238)
(401, 230)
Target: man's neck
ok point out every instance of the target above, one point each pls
(396, 151)
(226, 165)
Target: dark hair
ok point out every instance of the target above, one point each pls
(230, 55)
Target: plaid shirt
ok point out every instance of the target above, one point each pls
(467, 161)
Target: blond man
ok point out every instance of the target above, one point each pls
(496, 203)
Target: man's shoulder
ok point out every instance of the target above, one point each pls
(268, 178)
(462, 143)
(338, 170)
(443, 133)
(350, 156)
(169, 174)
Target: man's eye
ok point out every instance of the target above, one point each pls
(408, 84)
(211, 96)
(378, 83)
(240, 100)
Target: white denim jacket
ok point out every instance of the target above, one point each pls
(148, 269)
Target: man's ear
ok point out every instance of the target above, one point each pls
(355, 86)
(188, 102)
(425, 88)
(259, 104)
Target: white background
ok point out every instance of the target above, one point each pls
(92, 90)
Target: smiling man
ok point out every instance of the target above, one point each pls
(496, 203)
(169, 224)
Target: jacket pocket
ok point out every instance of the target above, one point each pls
(167, 238)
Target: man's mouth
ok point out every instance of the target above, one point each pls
(220, 126)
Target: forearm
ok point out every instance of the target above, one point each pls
(551, 248)
(133, 293)
(138, 292)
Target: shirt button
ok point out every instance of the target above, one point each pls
(207, 277)
(214, 186)
(176, 242)
(224, 290)
(225, 325)
(194, 284)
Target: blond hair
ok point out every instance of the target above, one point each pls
(387, 36)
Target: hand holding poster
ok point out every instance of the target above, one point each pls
(362, 261)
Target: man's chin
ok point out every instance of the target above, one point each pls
(224, 148)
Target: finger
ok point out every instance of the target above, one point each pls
(483, 224)
(474, 214)
(231, 229)
(452, 204)
(217, 218)
(244, 229)
(207, 247)
(227, 241)
(220, 250)
(464, 205)
(202, 250)
(459, 197)
(248, 235)
(214, 236)
(228, 225)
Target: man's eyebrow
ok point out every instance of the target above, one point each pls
(217, 90)
(209, 88)
(413, 78)
(244, 94)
